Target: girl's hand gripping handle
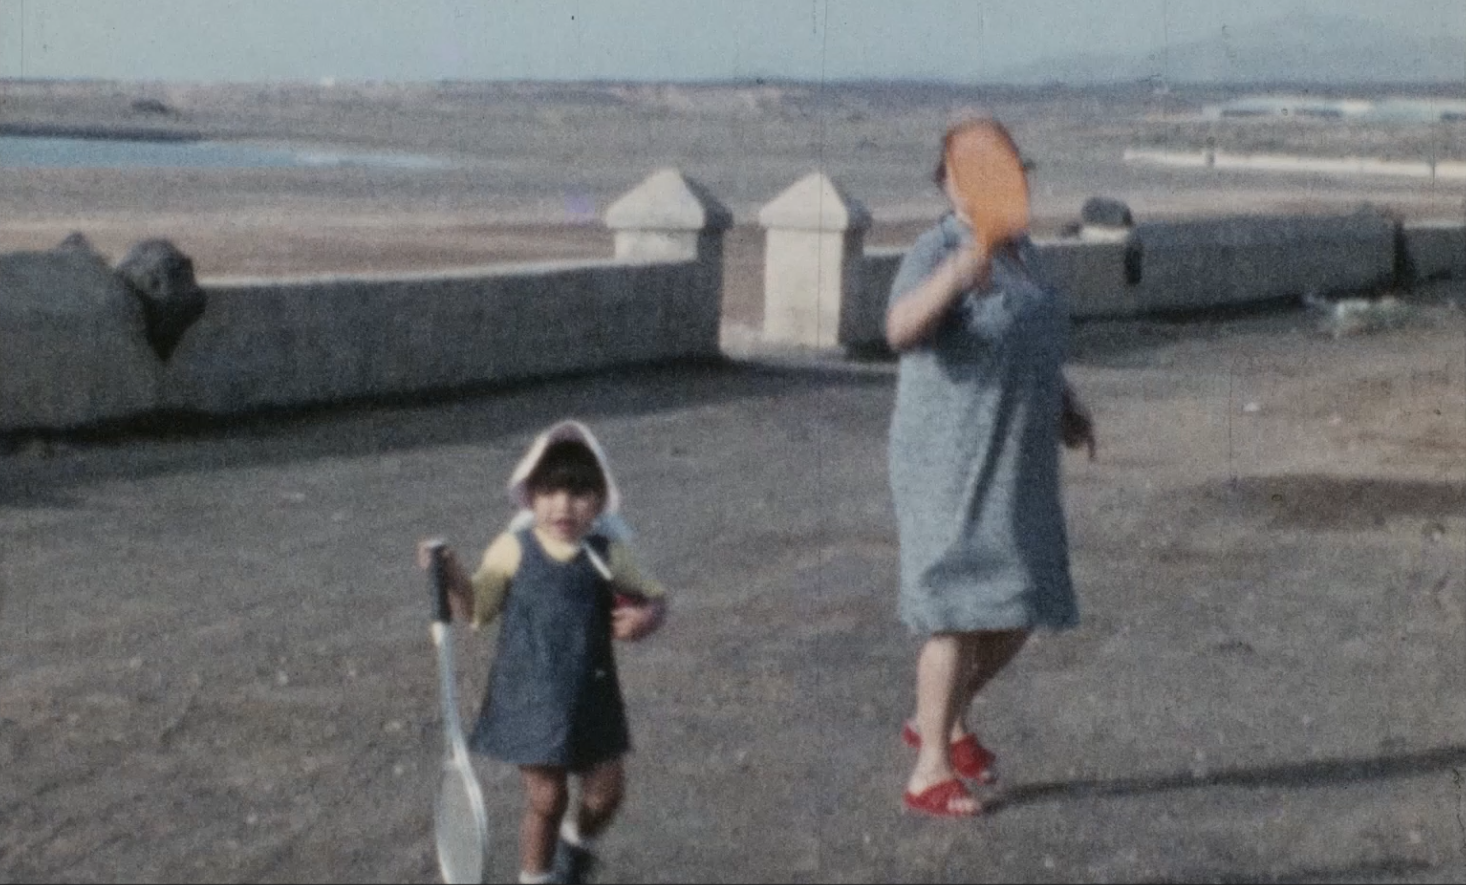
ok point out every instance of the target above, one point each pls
(435, 553)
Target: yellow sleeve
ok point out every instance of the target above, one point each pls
(627, 573)
(491, 581)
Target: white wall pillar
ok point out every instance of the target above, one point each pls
(669, 217)
(814, 264)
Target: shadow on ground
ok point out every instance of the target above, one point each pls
(1320, 502)
(1121, 343)
(1385, 869)
(1291, 775)
(38, 467)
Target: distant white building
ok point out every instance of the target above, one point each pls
(1288, 106)
(1402, 110)
(1425, 110)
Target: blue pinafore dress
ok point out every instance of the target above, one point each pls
(553, 695)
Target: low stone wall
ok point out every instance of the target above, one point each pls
(1434, 249)
(866, 326)
(1190, 265)
(293, 342)
(1091, 274)
(74, 351)
(1187, 265)
(73, 348)
(1155, 267)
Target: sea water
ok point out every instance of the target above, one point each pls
(25, 151)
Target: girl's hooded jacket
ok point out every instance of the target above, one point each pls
(495, 576)
(610, 524)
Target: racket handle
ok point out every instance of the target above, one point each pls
(598, 563)
(438, 581)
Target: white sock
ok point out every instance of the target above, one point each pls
(534, 878)
(570, 832)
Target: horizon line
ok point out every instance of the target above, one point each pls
(1153, 83)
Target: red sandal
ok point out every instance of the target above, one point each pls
(969, 758)
(936, 800)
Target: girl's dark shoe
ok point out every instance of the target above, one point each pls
(572, 865)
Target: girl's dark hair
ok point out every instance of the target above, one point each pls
(568, 465)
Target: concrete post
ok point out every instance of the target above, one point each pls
(814, 266)
(669, 217)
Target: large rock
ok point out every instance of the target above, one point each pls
(1106, 212)
(162, 279)
(73, 345)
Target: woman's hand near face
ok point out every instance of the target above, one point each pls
(969, 267)
(916, 315)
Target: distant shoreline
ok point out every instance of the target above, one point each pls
(99, 132)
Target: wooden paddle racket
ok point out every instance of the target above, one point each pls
(460, 819)
(987, 177)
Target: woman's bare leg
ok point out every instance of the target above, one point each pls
(988, 653)
(991, 651)
(940, 671)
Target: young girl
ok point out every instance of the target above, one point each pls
(563, 589)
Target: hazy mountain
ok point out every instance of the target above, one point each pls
(1303, 46)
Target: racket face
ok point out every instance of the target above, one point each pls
(462, 826)
(987, 177)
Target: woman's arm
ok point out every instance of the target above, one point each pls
(915, 316)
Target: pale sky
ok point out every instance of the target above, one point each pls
(395, 40)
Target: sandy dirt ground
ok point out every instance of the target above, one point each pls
(214, 656)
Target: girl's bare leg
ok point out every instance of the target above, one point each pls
(545, 799)
(601, 791)
(940, 670)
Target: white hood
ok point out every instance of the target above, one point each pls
(610, 522)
